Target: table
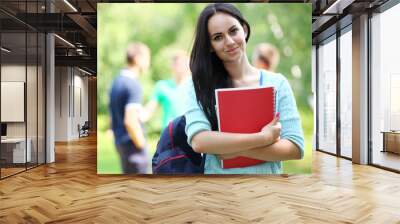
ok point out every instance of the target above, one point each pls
(391, 141)
(13, 150)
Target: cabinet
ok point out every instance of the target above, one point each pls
(391, 141)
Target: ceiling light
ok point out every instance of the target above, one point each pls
(84, 71)
(337, 7)
(5, 50)
(71, 6)
(331, 7)
(64, 40)
(79, 51)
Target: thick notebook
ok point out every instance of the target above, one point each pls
(244, 110)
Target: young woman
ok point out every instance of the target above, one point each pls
(218, 60)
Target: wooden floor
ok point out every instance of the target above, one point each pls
(10, 171)
(388, 159)
(70, 191)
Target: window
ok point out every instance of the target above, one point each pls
(385, 88)
(327, 96)
(346, 74)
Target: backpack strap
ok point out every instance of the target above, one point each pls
(171, 136)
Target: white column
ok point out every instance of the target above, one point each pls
(50, 110)
(314, 92)
(360, 90)
(50, 93)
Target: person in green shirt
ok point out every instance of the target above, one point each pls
(167, 93)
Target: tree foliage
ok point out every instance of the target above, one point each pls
(167, 27)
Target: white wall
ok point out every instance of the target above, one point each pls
(71, 94)
(12, 101)
(61, 103)
(12, 73)
(33, 126)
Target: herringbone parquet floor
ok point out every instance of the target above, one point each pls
(70, 191)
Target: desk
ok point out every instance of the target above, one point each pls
(15, 148)
(391, 141)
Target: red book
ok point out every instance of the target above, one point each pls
(244, 110)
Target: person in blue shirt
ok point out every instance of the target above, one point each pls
(219, 60)
(125, 109)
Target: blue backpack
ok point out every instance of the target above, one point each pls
(174, 155)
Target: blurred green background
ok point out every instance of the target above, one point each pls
(167, 27)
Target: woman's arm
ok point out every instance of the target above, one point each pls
(220, 143)
(291, 142)
(224, 143)
(279, 151)
(132, 125)
(147, 111)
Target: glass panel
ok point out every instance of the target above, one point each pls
(31, 97)
(41, 99)
(346, 94)
(13, 86)
(32, 85)
(386, 89)
(22, 77)
(327, 96)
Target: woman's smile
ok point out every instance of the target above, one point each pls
(232, 50)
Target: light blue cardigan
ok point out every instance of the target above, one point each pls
(196, 122)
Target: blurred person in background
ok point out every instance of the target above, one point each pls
(167, 93)
(125, 109)
(266, 56)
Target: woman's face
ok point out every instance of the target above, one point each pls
(227, 37)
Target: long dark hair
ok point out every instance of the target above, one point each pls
(208, 71)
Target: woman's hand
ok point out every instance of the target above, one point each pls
(272, 131)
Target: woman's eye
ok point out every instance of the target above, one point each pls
(234, 31)
(217, 38)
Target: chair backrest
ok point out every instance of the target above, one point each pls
(86, 125)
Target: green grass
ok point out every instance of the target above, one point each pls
(303, 166)
(107, 156)
(108, 159)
